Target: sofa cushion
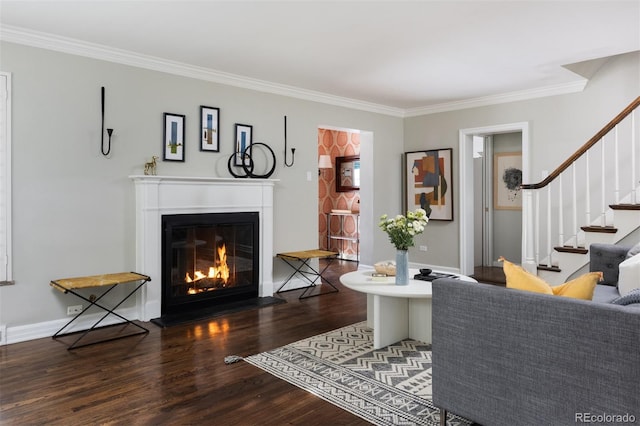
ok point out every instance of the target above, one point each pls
(605, 293)
(629, 275)
(579, 288)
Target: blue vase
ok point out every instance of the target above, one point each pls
(402, 267)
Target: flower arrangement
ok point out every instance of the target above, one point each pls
(402, 229)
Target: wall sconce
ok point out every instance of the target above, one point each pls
(106, 151)
(324, 162)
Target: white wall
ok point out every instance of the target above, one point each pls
(559, 125)
(74, 209)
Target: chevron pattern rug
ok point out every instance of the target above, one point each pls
(389, 386)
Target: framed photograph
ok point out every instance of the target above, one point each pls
(348, 173)
(428, 182)
(244, 139)
(173, 144)
(507, 179)
(209, 118)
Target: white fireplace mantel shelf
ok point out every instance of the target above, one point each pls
(161, 195)
(203, 179)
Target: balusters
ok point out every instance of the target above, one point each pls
(549, 244)
(616, 161)
(574, 205)
(587, 193)
(595, 192)
(537, 228)
(634, 182)
(560, 213)
(603, 188)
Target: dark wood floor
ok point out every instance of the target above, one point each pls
(177, 375)
(489, 275)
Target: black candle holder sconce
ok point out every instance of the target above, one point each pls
(104, 151)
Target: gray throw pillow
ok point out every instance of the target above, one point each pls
(633, 251)
(632, 297)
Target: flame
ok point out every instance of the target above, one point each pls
(220, 270)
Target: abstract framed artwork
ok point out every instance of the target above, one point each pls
(507, 179)
(209, 129)
(244, 139)
(428, 183)
(173, 137)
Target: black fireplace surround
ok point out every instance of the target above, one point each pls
(209, 259)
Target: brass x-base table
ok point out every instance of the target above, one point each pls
(303, 268)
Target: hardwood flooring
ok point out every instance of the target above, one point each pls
(489, 275)
(177, 375)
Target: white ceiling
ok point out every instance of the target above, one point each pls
(402, 55)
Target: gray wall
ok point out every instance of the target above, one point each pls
(507, 224)
(559, 125)
(73, 209)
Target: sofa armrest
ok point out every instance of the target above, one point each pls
(606, 258)
(505, 357)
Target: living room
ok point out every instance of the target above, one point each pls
(74, 208)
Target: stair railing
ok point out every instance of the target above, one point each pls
(580, 189)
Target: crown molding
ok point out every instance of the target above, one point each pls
(125, 57)
(97, 51)
(523, 95)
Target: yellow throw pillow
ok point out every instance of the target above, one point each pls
(579, 288)
(520, 279)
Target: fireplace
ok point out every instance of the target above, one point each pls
(208, 259)
(159, 196)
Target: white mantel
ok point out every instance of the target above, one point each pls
(162, 195)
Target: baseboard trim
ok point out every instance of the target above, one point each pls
(23, 333)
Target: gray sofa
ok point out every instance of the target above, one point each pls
(510, 357)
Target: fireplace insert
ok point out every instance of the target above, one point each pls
(208, 259)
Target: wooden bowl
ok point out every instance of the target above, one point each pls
(387, 267)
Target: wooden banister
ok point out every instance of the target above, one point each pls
(597, 137)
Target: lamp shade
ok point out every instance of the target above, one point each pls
(324, 162)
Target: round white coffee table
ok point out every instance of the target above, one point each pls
(395, 312)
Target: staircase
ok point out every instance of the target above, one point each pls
(593, 197)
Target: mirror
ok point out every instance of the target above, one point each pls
(348, 173)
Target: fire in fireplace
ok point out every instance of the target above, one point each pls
(208, 259)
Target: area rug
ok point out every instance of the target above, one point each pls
(389, 386)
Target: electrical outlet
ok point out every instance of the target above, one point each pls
(74, 310)
(423, 248)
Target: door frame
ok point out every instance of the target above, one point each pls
(466, 185)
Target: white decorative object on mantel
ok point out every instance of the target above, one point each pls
(162, 195)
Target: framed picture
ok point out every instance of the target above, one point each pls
(244, 139)
(507, 179)
(173, 144)
(348, 173)
(209, 118)
(428, 182)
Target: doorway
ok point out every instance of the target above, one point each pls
(483, 219)
(497, 227)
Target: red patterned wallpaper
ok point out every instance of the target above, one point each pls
(336, 143)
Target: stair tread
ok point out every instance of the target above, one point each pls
(625, 206)
(568, 249)
(544, 267)
(601, 229)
